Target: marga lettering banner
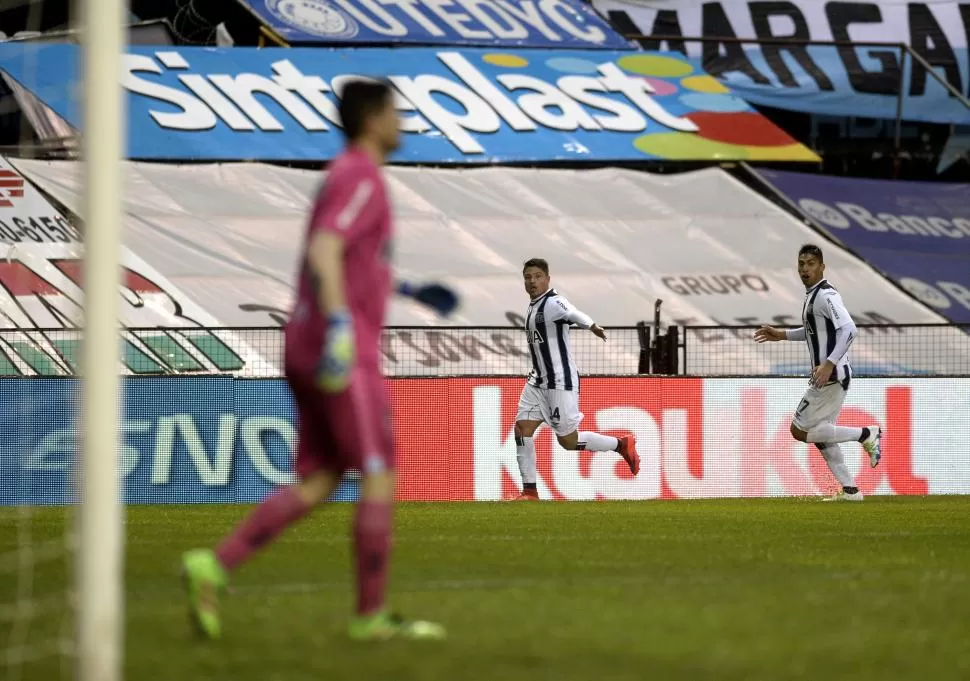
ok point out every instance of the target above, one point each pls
(525, 23)
(458, 106)
(837, 80)
(918, 233)
(224, 440)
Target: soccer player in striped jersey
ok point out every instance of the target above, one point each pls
(828, 331)
(551, 392)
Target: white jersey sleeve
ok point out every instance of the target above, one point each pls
(565, 310)
(835, 310)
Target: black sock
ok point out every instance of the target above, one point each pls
(865, 435)
(850, 490)
(529, 485)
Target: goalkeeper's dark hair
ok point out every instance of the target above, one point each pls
(360, 100)
(536, 262)
(812, 250)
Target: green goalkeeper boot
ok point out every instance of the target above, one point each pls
(383, 626)
(204, 578)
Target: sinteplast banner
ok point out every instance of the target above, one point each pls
(507, 23)
(918, 233)
(225, 440)
(458, 106)
(840, 80)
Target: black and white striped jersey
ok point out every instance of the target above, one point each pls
(822, 313)
(547, 326)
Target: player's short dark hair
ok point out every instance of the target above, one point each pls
(812, 250)
(536, 262)
(360, 100)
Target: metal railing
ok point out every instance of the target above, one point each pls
(258, 352)
(878, 351)
(152, 352)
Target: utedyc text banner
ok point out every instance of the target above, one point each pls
(918, 233)
(457, 106)
(507, 23)
(842, 80)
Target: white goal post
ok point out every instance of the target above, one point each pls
(100, 577)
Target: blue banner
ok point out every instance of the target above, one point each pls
(506, 23)
(185, 440)
(829, 86)
(761, 50)
(457, 106)
(918, 233)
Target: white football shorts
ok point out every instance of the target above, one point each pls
(819, 405)
(558, 408)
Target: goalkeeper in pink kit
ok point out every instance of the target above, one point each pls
(333, 367)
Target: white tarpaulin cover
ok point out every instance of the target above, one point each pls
(40, 288)
(228, 236)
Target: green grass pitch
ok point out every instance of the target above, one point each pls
(734, 589)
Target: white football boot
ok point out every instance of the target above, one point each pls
(872, 445)
(842, 495)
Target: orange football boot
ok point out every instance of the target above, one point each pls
(628, 450)
(528, 495)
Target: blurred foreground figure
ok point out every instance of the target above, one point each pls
(333, 367)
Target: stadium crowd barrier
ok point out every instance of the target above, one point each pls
(879, 350)
(226, 436)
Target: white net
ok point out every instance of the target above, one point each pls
(37, 425)
(36, 596)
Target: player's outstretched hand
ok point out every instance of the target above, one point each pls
(598, 331)
(769, 333)
(337, 359)
(439, 297)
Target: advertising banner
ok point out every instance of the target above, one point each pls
(463, 106)
(224, 440)
(715, 252)
(842, 80)
(918, 233)
(186, 440)
(502, 23)
(40, 288)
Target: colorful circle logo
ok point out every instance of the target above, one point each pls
(509, 61)
(727, 128)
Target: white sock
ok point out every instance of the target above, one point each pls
(826, 433)
(525, 453)
(833, 457)
(595, 442)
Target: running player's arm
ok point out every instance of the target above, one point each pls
(766, 334)
(336, 220)
(845, 328)
(574, 315)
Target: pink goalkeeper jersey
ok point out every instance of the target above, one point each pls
(353, 203)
